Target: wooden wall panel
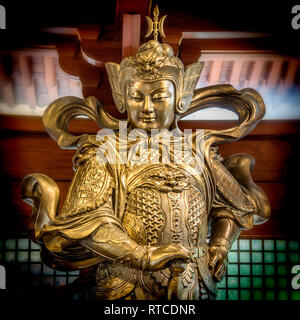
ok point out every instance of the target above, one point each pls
(26, 148)
(272, 157)
(18, 212)
(276, 192)
(24, 153)
(265, 128)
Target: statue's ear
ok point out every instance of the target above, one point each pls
(190, 79)
(113, 71)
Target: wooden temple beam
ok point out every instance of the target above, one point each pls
(27, 80)
(256, 73)
(141, 7)
(75, 87)
(131, 34)
(291, 73)
(275, 73)
(6, 86)
(236, 72)
(215, 72)
(50, 77)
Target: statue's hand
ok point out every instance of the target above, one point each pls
(217, 261)
(159, 257)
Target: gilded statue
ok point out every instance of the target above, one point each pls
(152, 211)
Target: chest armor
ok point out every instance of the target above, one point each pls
(165, 205)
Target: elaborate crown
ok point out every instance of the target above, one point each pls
(154, 61)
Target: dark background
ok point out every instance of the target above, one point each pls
(273, 16)
(24, 18)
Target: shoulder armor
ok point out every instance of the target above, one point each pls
(90, 188)
(231, 190)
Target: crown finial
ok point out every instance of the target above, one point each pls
(156, 25)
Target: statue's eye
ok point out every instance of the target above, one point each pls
(137, 98)
(159, 99)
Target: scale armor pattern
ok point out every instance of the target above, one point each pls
(196, 209)
(90, 188)
(145, 204)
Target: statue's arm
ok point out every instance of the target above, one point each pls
(239, 205)
(114, 244)
(86, 231)
(111, 240)
(224, 231)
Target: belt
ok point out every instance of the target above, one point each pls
(198, 252)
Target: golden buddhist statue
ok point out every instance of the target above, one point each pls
(152, 211)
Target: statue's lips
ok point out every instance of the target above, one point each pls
(147, 119)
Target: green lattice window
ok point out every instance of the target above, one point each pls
(260, 270)
(257, 270)
(21, 258)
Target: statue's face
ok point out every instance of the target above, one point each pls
(150, 105)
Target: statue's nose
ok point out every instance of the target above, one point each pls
(148, 107)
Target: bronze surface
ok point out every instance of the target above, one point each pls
(149, 229)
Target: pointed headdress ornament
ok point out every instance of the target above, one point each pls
(154, 61)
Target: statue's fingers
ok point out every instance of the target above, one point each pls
(213, 262)
(219, 272)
